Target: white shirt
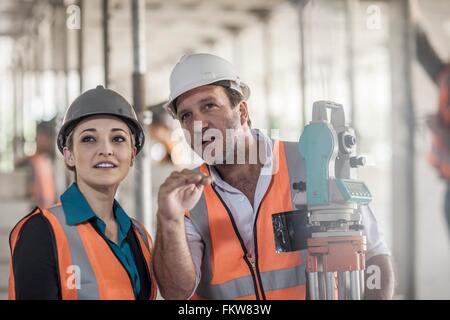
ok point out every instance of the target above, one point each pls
(244, 215)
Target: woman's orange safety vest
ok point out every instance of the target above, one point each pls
(88, 269)
(227, 271)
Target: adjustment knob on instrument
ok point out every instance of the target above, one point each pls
(357, 162)
(349, 141)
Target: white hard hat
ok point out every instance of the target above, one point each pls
(200, 69)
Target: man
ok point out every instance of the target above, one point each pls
(214, 235)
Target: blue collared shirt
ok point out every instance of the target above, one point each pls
(77, 210)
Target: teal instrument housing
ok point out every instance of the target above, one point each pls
(317, 147)
(354, 191)
(327, 197)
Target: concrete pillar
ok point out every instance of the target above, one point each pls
(106, 46)
(264, 16)
(62, 51)
(350, 12)
(18, 107)
(80, 41)
(235, 31)
(120, 48)
(300, 6)
(74, 56)
(92, 64)
(403, 136)
(59, 61)
(142, 184)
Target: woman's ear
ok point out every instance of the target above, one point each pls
(69, 158)
(133, 155)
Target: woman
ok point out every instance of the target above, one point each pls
(87, 247)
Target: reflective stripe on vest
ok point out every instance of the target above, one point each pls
(88, 289)
(88, 269)
(225, 273)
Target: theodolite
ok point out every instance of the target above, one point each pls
(327, 221)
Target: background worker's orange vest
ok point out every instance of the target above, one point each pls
(43, 187)
(228, 272)
(439, 155)
(88, 269)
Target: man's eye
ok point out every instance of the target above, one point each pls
(88, 139)
(185, 116)
(119, 139)
(210, 105)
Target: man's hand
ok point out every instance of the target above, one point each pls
(173, 265)
(179, 193)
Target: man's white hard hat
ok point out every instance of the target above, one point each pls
(200, 69)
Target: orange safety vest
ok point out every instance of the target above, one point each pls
(43, 187)
(227, 271)
(87, 267)
(439, 155)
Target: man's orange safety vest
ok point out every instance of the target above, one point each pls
(228, 271)
(88, 268)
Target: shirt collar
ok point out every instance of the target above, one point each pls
(77, 210)
(267, 145)
(75, 206)
(123, 220)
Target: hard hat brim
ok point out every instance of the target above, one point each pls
(134, 126)
(245, 91)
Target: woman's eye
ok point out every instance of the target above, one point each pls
(88, 139)
(119, 139)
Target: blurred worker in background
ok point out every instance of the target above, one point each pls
(40, 165)
(161, 151)
(439, 122)
(87, 247)
(167, 147)
(215, 236)
(160, 131)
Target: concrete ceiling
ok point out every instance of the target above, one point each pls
(13, 13)
(168, 13)
(179, 26)
(203, 16)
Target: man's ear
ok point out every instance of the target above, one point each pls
(243, 111)
(69, 158)
(133, 156)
